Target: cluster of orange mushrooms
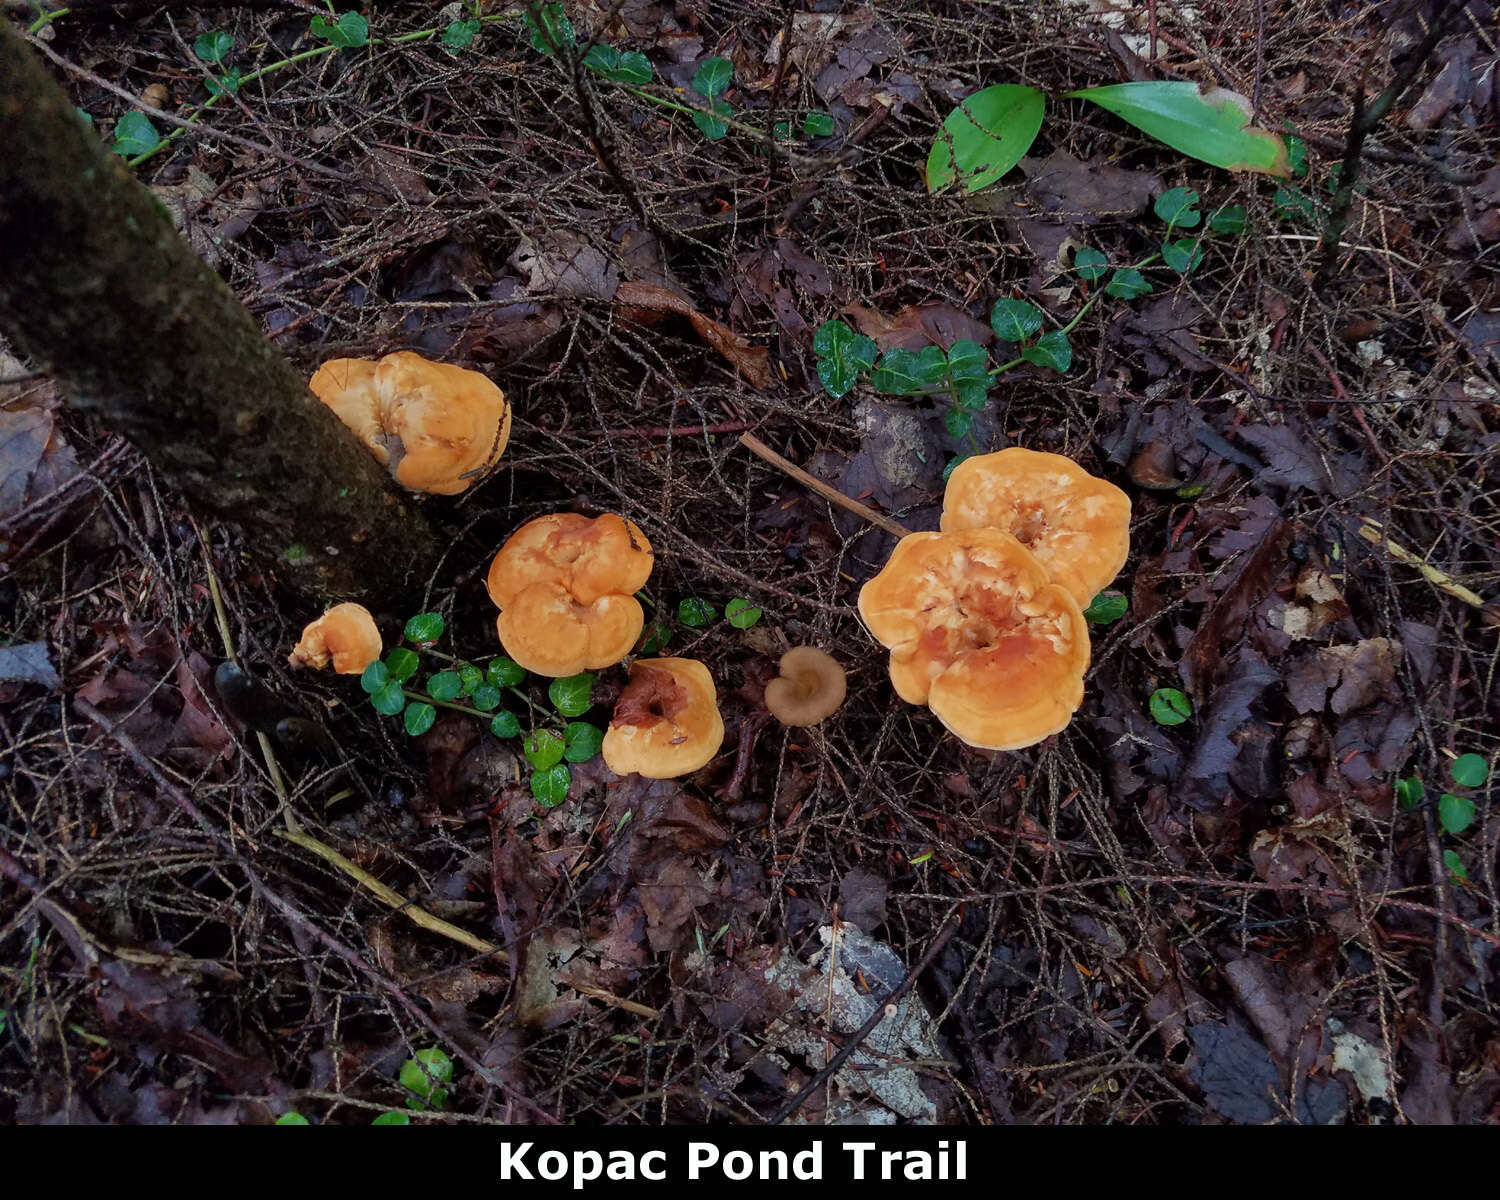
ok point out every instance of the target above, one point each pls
(983, 620)
(564, 584)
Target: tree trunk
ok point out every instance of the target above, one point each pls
(97, 288)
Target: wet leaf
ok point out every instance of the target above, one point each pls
(1455, 813)
(419, 717)
(1212, 125)
(1176, 207)
(134, 134)
(401, 664)
(739, 613)
(573, 695)
(696, 613)
(1090, 263)
(713, 77)
(388, 699)
(1127, 283)
(984, 137)
(1015, 320)
(486, 697)
(505, 725)
(842, 356)
(1052, 350)
(504, 672)
(30, 662)
(445, 685)
(582, 741)
(375, 677)
(424, 628)
(550, 786)
(750, 361)
(543, 748)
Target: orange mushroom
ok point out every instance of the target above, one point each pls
(978, 634)
(345, 635)
(810, 687)
(666, 722)
(1076, 524)
(565, 586)
(435, 426)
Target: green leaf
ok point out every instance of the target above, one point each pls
(957, 422)
(1127, 283)
(351, 30)
(817, 124)
(629, 67)
(1229, 220)
(1455, 864)
(375, 677)
(1296, 156)
(445, 685)
(1170, 707)
(486, 697)
(739, 613)
(1052, 350)
(581, 741)
(971, 395)
(460, 35)
(389, 699)
(213, 46)
(424, 628)
(1015, 320)
(392, 1118)
(471, 677)
(550, 786)
(968, 360)
(423, 1075)
(134, 134)
(953, 465)
(550, 29)
(842, 356)
(1212, 125)
(696, 613)
(713, 77)
(84, 115)
(504, 672)
(505, 725)
(1184, 255)
(1090, 263)
(1455, 813)
(984, 137)
(713, 127)
(1176, 207)
(1410, 792)
(1105, 608)
(1291, 204)
(402, 664)
(573, 695)
(1469, 770)
(906, 372)
(419, 718)
(292, 1118)
(653, 638)
(225, 84)
(782, 131)
(543, 748)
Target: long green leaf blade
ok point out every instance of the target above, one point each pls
(984, 137)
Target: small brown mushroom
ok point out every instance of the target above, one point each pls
(435, 426)
(565, 586)
(810, 687)
(666, 722)
(344, 635)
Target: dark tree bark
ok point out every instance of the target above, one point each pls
(97, 288)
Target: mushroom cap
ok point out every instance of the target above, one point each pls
(666, 722)
(435, 426)
(978, 634)
(565, 585)
(1076, 524)
(810, 687)
(345, 635)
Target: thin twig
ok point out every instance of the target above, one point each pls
(832, 495)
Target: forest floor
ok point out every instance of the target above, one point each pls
(1237, 918)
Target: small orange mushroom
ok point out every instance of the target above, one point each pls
(809, 688)
(435, 426)
(1076, 524)
(666, 722)
(565, 586)
(344, 635)
(978, 634)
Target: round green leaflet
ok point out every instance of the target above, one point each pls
(740, 613)
(817, 124)
(471, 677)
(695, 613)
(543, 748)
(402, 664)
(1090, 263)
(1015, 320)
(423, 1076)
(551, 786)
(582, 741)
(392, 1118)
(984, 137)
(573, 695)
(424, 628)
(292, 1118)
(505, 725)
(134, 134)
(713, 77)
(1105, 608)
(213, 46)
(1469, 770)
(419, 718)
(1455, 813)
(504, 672)
(389, 699)
(1455, 864)
(1175, 207)
(1052, 350)
(1410, 792)
(375, 677)
(1170, 707)
(445, 685)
